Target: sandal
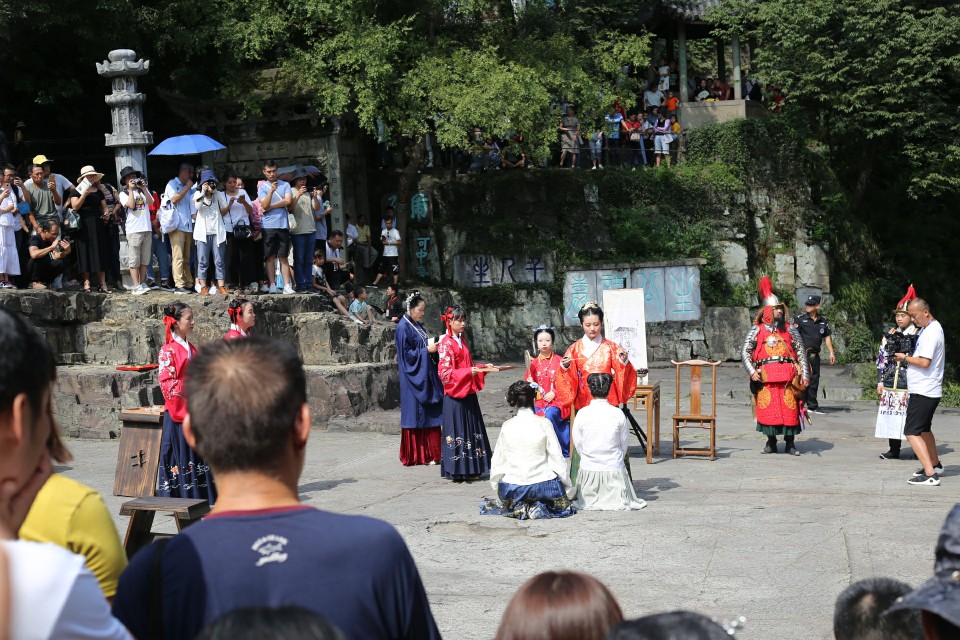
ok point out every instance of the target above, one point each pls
(103, 289)
(86, 287)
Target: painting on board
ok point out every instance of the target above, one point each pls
(624, 323)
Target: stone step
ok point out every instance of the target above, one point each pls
(71, 357)
(88, 398)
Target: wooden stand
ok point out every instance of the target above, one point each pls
(647, 397)
(136, 477)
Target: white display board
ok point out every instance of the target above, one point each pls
(624, 323)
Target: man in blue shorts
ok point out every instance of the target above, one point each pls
(249, 418)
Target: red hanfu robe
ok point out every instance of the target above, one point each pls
(173, 361)
(544, 371)
(455, 367)
(572, 383)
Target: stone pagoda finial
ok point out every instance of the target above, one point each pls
(128, 139)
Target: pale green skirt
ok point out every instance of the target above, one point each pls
(606, 491)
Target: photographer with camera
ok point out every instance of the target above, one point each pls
(48, 252)
(892, 384)
(136, 198)
(210, 233)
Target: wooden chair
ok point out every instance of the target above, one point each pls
(138, 460)
(695, 417)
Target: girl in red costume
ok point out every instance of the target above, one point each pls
(182, 472)
(242, 319)
(465, 448)
(543, 372)
(594, 354)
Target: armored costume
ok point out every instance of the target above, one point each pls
(773, 350)
(892, 379)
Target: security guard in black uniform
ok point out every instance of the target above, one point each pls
(815, 331)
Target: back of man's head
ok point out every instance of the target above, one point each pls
(599, 384)
(858, 614)
(244, 398)
(673, 625)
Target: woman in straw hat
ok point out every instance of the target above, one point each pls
(92, 239)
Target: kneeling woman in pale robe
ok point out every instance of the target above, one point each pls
(529, 472)
(600, 435)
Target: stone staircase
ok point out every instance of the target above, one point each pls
(351, 368)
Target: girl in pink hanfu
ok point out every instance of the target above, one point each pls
(182, 473)
(465, 448)
(543, 372)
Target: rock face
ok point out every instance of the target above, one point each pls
(725, 328)
(350, 368)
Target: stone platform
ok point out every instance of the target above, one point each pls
(351, 368)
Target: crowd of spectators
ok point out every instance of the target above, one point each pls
(195, 234)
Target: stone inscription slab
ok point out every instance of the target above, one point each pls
(486, 270)
(670, 293)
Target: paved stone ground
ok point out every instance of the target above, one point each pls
(773, 538)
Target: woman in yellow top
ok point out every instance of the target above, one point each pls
(73, 516)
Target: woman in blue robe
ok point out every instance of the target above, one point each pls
(421, 393)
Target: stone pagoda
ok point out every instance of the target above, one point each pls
(128, 139)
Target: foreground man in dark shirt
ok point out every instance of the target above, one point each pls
(248, 417)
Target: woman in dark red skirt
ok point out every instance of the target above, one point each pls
(421, 394)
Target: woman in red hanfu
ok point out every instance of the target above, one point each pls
(543, 372)
(242, 319)
(182, 473)
(465, 448)
(594, 354)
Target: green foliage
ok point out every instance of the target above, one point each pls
(859, 343)
(871, 77)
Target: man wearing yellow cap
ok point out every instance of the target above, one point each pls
(62, 183)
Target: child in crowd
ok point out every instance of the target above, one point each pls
(321, 287)
(359, 309)
(390, 263)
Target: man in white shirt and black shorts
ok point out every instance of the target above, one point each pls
(925, 386)
(390, 262)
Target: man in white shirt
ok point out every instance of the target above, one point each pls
(136, 197)
(390, 264)
(925, 385)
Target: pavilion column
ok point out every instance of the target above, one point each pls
(737, 81)
(682, 53)
(721, 60)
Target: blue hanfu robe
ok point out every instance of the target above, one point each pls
(421, 393)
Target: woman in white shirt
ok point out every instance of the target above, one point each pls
(528, 472)
(210, 234)
(241, 269)
(600, 435)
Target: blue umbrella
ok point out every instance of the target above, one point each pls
(193, 144)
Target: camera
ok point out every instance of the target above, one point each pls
(900, 343)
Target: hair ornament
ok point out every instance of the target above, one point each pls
(409, 299)
(590, 305)
(543, 327)
(536, 387)
(733, 626)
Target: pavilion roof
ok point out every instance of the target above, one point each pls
(688, 10)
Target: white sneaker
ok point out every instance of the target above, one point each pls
(264, 288)
(212, 291)
(273, 289)
(288, 290)
(139, 290)
(197, 287)
(601, 166)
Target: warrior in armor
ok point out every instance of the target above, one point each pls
(773, 356)
(892, 377)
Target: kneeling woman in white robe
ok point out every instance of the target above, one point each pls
(528, 472)
(600, 433)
